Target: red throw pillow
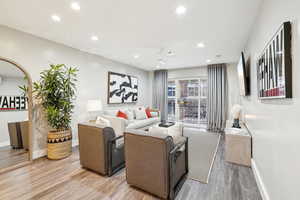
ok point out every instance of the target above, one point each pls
(122, 115)
(148, 112)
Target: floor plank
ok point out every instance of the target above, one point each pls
(65, 179)
(10, 157)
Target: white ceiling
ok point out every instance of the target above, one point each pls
(148, 28)
(9, 70)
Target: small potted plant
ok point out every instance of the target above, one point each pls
(56, 92)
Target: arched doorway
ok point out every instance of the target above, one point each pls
(14, 106)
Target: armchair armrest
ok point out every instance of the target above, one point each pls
(178, 161)
(178, 147)
(116, 138)
(116, 157)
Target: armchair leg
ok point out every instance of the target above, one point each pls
(112, 171)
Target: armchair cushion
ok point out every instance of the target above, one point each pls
(118, 124)
(137, 124)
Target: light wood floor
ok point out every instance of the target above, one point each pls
(10, 157)
(65, 179)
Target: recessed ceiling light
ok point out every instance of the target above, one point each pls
(55, 18)
(94, 38)
(200, 45)
(157, 66)
(136, 56)
(180, 10)
(208, 60)
(75, 6)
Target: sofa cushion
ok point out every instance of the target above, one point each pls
(136, 124)
(111, 112)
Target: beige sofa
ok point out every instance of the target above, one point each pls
(120, 125)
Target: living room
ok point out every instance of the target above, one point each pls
(149, 100)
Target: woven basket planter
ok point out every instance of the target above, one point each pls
(59, 144)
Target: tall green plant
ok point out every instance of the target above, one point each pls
(56, 90)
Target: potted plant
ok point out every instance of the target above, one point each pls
(56, 91)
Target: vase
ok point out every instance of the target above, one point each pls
(59, 144)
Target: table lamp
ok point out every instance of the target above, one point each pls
(236, 115)
(95, 106)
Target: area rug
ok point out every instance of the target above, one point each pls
(203, 147)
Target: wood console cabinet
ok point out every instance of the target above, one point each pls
(238, 145)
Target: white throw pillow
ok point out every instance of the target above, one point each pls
(103, 122)
(140, 113)
(130, 114)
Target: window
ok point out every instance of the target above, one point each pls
(171, 88)
(190, 105)
(171, 100)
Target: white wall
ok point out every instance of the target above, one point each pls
(10, 86)
(275, 123)
(35, 54)
(187, 72)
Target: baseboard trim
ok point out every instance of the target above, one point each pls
(259, 181)
(75, 143)
(39, 153)
(4, 144)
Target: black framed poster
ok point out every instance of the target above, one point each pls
(274, 67)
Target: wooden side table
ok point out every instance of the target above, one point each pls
(238, 145)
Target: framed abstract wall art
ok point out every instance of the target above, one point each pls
(274, 67)
(122, 88)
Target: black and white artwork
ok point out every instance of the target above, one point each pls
(274, 67)
(122, 88)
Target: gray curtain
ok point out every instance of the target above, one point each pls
(217, 97)
(160, 93)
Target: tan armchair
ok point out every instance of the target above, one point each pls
(19, 134)
(155, 163)
(98, 149)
